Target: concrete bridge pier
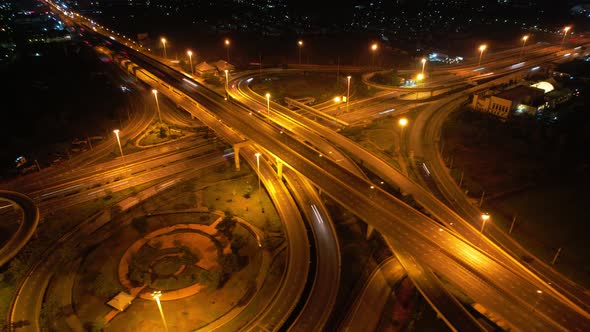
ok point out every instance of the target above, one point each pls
(237, 156)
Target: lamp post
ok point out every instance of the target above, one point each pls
(484, 218)
(268, 103)
(347, 91)
(374, 48)
(403, 122)
(419, 79)
(524, 39)
(156, 295)
(163, 40)
(300, 45)
(565, 31)
(116, 131)
(226, 42)
(190, 59)
(257, 154)
(155, 92)
(481, 49)
(423, 64)
(226, 79)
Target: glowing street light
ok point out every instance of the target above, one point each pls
(190, 58)
(481, 49)
(300, 45)
(403, 122)
(374, 48)
(347, 91)
(337, 99)
(268, 102)
(565, 31)
(155, 92)
(156, 295)
(226, 42)
(419, 77)
(116, 131)
(484, 218)
(423, 64)
(163, 40)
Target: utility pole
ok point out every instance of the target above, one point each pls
(512, 225)
(461, 180)
(555, 257)
(481, 200)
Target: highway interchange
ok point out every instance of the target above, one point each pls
(446, 245)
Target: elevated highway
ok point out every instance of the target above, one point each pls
(27, 225)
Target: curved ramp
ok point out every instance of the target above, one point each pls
(25, 230)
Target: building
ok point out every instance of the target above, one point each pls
(520, 99)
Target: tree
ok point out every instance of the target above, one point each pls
(140, 224)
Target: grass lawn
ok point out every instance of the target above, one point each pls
(321, 86)
(526, 172)
(549, 217)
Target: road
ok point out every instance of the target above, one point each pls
(27, 224)
(365, 313)
(485, 279)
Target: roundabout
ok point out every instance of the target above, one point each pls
(203, 271)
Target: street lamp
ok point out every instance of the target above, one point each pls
(337, 99)
(403, 122)
(565, 31)
(116, 131)
(481, 49)
(257, 154)
(423, 64)
(190, 59)
(484, 218)
(268, 102)
(163, 40)
(226, 79)
(347, 91)
(374, 48)
(524, 39)
(300, 45)
(156, 295)
(155, 92)
(226, 42)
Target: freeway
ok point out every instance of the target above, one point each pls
(428, 125)
(366, 311)
(434, 206)
(428, 284)
(138, 122)
(485, 279)
(27, 224)
(324, 290)
(439, 214)
(387, 213)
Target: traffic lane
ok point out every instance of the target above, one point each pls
(296, 273)
(366, 311)
(26, 227)
(322, 296)
(242, 127)
(473, 215)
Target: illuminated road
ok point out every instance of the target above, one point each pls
(366, 311)
(511, 295)
(427, 129)
(26, 304)
(29, 219)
